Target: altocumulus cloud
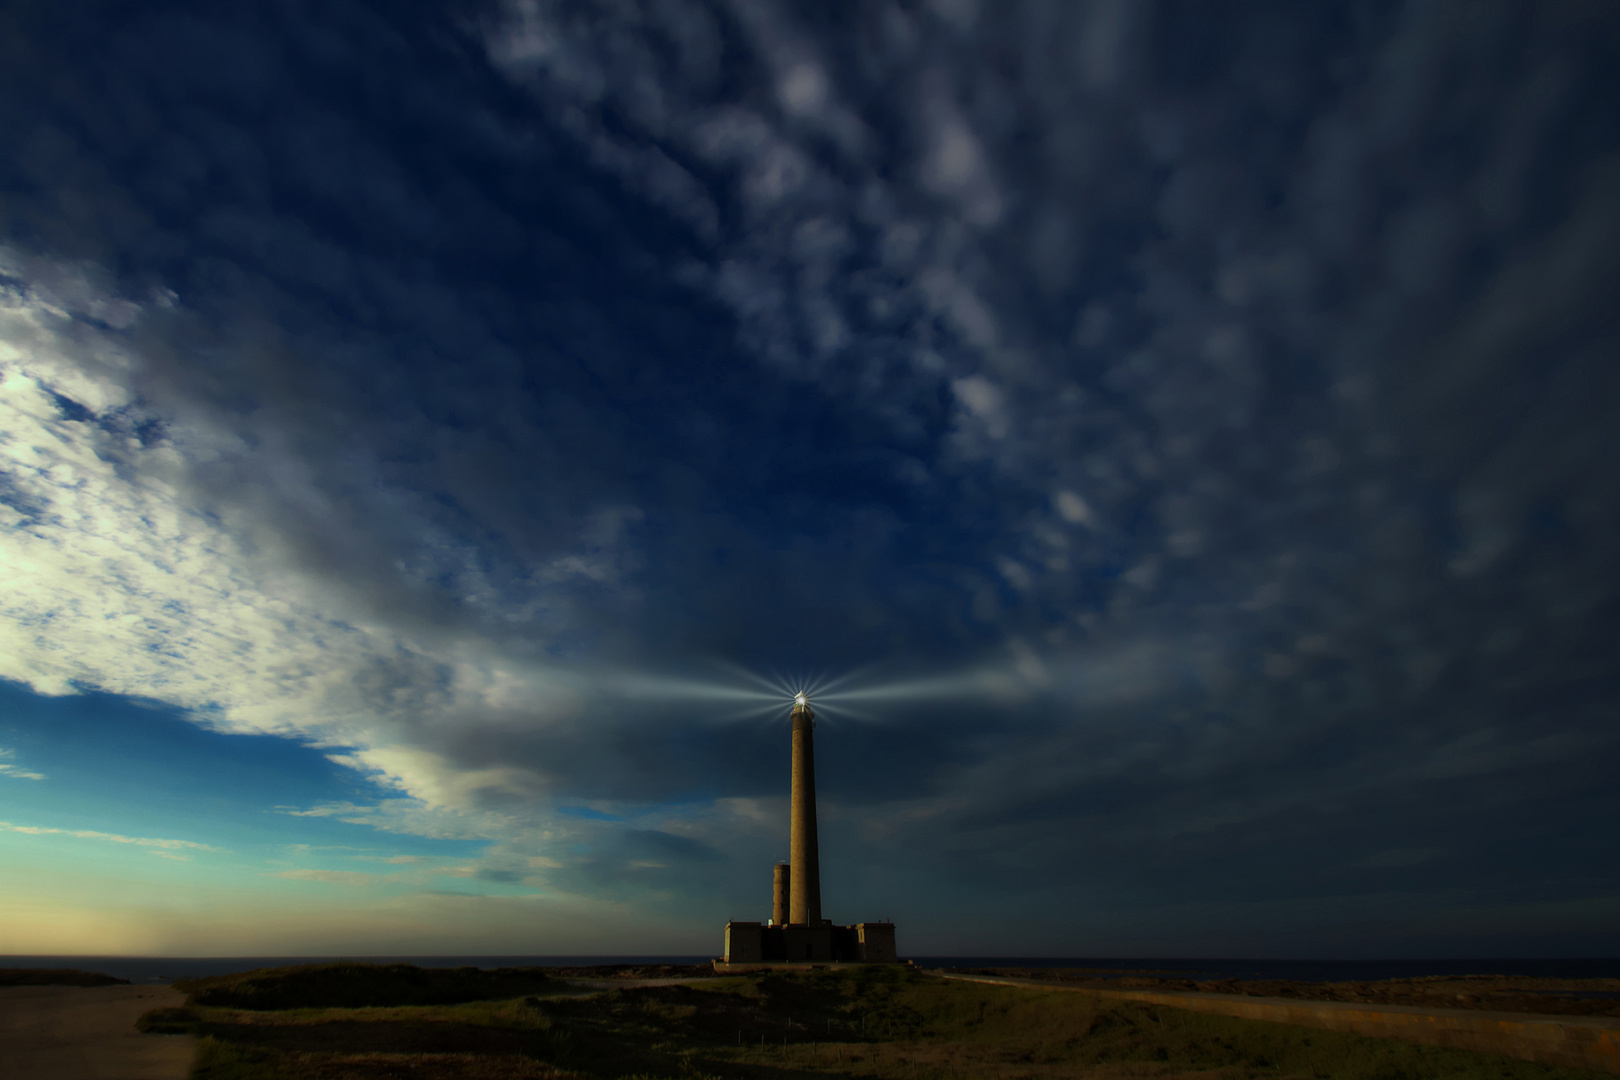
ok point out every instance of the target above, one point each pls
(1201, 416)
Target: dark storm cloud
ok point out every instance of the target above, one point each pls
(1232, 388)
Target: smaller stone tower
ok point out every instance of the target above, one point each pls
(779, 904)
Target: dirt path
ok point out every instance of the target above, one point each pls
(88, 1033)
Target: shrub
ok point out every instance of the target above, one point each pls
(357, 986)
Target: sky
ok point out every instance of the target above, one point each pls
(1173, 444)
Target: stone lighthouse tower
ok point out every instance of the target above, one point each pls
(804, 858)
(797, 934)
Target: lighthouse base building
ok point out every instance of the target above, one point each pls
(796, 932)
(762, 943)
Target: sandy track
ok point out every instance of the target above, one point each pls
(88, 1033)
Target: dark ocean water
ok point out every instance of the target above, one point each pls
(164, 969)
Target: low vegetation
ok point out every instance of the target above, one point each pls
(359, 986)
(883, 1023)
(57, 977)
(1490, 993)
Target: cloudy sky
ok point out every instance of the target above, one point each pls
(1175, 443)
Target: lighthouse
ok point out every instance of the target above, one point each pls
(796, 933)
(804, 858)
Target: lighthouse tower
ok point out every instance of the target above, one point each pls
(797, 934)
(804, 858)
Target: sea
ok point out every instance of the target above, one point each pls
(167, 969)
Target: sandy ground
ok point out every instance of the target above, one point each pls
(88, 1033)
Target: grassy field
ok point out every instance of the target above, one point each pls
(889, 1023)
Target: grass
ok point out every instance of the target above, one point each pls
(57, 977)
(884, 1023)
(356, 986)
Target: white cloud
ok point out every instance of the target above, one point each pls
(1016, 573)
(17, 771)
(984, 401)
(161, 845)
(414, 817)
(1074, 509)
(121, 576)
(956, 166)
(804, 89)
(337, 877)
(433, 780)
(115, 580)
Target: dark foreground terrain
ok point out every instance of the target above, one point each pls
(873, 1022)
(56, 977)
(1496, 993)
(70, 1032)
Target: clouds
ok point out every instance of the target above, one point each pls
(163, 846)
(1209, 415)
(12, 770)
(121, 581)
(335, 877)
